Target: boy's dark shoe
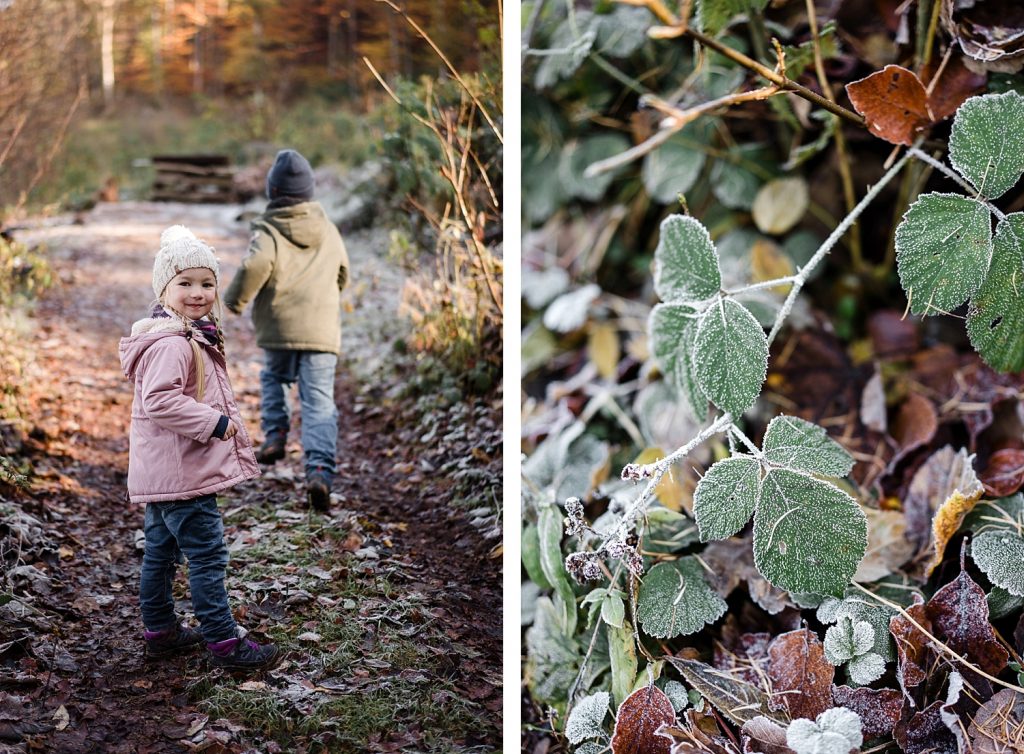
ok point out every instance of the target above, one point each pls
(272, 449)
(318, 488)
(173, 641)
(242, 654)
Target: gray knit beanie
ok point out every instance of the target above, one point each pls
(180, 250)
(290, 175)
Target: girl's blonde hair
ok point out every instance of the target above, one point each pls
(199, 369)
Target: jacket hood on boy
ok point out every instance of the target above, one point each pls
(172, 453)
(295, 270)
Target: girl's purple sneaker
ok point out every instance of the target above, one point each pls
(242, 654)
(172, 641)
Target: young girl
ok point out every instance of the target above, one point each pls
(187, 443)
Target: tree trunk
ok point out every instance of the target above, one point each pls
(107, 10)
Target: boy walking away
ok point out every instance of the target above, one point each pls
(295, 271)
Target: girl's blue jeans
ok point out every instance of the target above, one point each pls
(314, 371)
(192, 528)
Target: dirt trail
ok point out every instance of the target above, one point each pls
(89, 662)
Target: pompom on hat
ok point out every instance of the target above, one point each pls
(180, 250)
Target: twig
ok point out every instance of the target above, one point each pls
(454, 71)
(954, 176)
(938, 644)
(831, 241)
(656, 471)
(761, 286)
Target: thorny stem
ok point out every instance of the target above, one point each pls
(938, 644)
(953, 175)
(657, 471)
(831, 241)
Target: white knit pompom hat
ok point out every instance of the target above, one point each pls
(180, 250)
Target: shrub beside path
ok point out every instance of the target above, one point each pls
(389, 607)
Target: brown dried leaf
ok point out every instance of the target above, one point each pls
(879, 709)
(1004, 474)
(735, 699)
(998, 727)
(958, 614)
(888, 546)
(956, 84)
(892, 335)
(801, 676)
(872, 404)
(744, 656)
(763, 736)
(945, 472)
(639, 717)
(915, 425)
(912, 650)
(926, 733)
(894, 103)
(947, 520)
(991, 33)
(769, 262)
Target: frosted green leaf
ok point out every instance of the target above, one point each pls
(586, 717)
(995, 321)
(1000, 555)
(809, 536)
(540, 287)
(714, 15)
(685, 261)
(612, 610)
(675, 600)
(866, 668)
(573, 41)
(673, 329)
(530, 555)
(731, 355)
(804, 446)
(1001, 603)
(943, 249)
(726, 497)
(855, 609)
(835, 731)
(676, 693)
(623, 31)
(591, 747)
(672, 169)
(549, 534)
(1005, 514)
(733, 182)
(848, 639)
(552, 658)
(570, 311)
(577, 156)
(986, 144)
(622, 658)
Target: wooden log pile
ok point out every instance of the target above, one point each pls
(196, 178)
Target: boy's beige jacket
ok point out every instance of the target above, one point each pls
(296, 269)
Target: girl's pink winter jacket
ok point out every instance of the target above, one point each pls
(172, 454)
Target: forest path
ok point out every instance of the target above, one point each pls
(380, 604)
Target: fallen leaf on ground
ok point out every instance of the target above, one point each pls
(639, 717)
(798, 664)
(1004, 474)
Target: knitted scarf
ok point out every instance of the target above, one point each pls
(207, 328)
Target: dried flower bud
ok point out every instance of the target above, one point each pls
(616, 548)
(634, 562)
(584, 566)
(636, 471)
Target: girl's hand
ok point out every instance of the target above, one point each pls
(231, 431)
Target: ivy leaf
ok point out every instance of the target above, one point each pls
(986, 144)
(809, 536)
(672, 168)
(673, 330)
(731, 356)
(638, 720)
(726, 497)
(835, 731)
(586, 717)
(675, 600)
(804, 446)
(943, 249)
(995, 322)
(685, 261)
(1000, 555)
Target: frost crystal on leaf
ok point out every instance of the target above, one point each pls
(586, 717)
(672, 329)
(986, 144)
(995, 322)
(835, 731)
(685, 261)
(675, 600)
(725, 498)
(943, 250)
(804, 446)
(731, 355)
(809, 536)
(676, 693)
(866, 668)
(1000, 555)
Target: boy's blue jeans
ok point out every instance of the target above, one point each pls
(192, 528)
(314, 371)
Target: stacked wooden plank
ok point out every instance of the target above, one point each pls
(196, 178)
